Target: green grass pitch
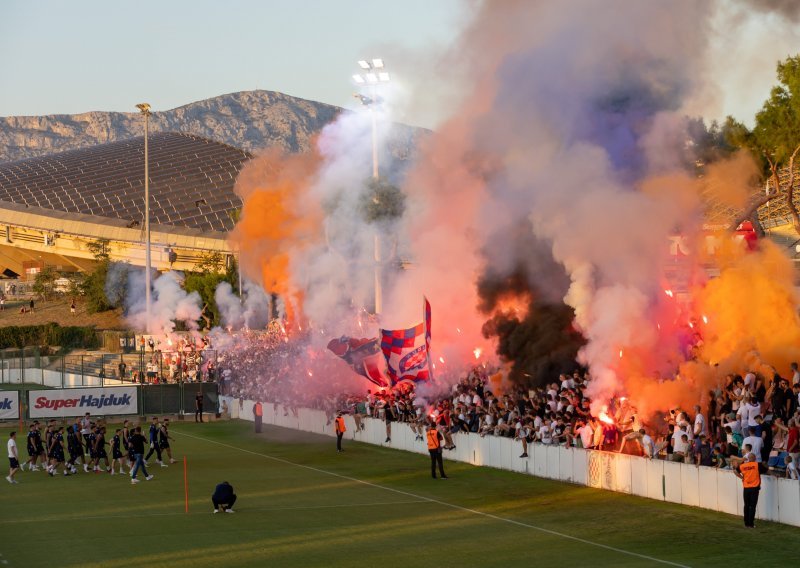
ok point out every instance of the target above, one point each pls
(302, 504)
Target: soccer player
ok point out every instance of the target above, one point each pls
(154, 447)
(164, 438)
(126, 441)
(56, 451)
(40, 446)
(116, 451)
(74, 447)
(86, 430)
(137, 443)
(13, 458)
(33, 451)
(100, 449)
(48, 439)
(223, 498)
(91, 438)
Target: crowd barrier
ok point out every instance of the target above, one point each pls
(686, 484)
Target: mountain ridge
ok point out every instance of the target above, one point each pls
(249, 120)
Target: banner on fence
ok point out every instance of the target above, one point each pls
(77, 402)
(9, 405)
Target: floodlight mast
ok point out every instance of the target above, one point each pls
(144, 108)
(374, 74)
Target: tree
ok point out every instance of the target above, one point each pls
(93, 286)
(777, 129)
(382, 201)
(44, 282)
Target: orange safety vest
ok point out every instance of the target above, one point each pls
(259, 411)
(751, 477)
(340, 425)
(433, 439)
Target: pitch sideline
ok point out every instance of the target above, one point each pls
(422, 498)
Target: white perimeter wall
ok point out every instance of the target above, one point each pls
(709, 488)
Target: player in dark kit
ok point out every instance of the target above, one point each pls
(127, 432)
(74, 447)
(116, 451)
(154, 447)
(91, 438)
(164, 438)
(56, 451)
(33, 452)
(100, 449)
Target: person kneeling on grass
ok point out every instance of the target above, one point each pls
(223, 498)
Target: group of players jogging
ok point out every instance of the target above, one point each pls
(86, 442)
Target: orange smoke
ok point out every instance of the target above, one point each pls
(277, 220)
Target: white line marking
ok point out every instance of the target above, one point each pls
(182, 514)
(443, 503)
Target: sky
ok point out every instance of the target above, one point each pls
(66, 57)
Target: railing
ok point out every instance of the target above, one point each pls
(687, 484)
(107, 369)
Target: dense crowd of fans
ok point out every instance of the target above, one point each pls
(746, 414)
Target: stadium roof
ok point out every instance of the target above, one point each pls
(191, 181)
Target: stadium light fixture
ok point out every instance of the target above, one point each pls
(144, 108)
(374, 74)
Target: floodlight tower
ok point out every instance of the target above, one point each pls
(373, 74)
(144, 108)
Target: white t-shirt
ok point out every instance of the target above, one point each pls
(649, 446)
(791, 470)
(586, 434)
(751, 411)
(545, 435)
(678, 445)
(749, 379)
(756, 443)
(12, 448)
(699, 425)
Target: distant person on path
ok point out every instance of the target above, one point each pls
(198, 406)
(13, 458)
(435, 450)
(137, 443)
(31, 305)
(750, 474)
(72, 307)
(258, 415)
(2, 304)
(340, 430)
(223, 498)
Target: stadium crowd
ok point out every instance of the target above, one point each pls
(746, 414)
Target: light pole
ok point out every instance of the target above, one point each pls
(145, 110)
(374, 73)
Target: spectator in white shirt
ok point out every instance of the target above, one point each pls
(700, 428)
(791, 467)
(756, 443)
(795, 375)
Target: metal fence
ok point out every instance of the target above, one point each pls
(152, 399)
(29, 366)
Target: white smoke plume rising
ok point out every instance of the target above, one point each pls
(170, 303)
(252, 313)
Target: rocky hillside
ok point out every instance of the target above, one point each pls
(250, 120)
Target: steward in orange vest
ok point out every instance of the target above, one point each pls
(435, 450)
(750, 474)
(258, 414)
(340, 430)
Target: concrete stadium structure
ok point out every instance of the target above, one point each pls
(53, 207)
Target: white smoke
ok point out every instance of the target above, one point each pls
(252, 313)
(170, 303)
